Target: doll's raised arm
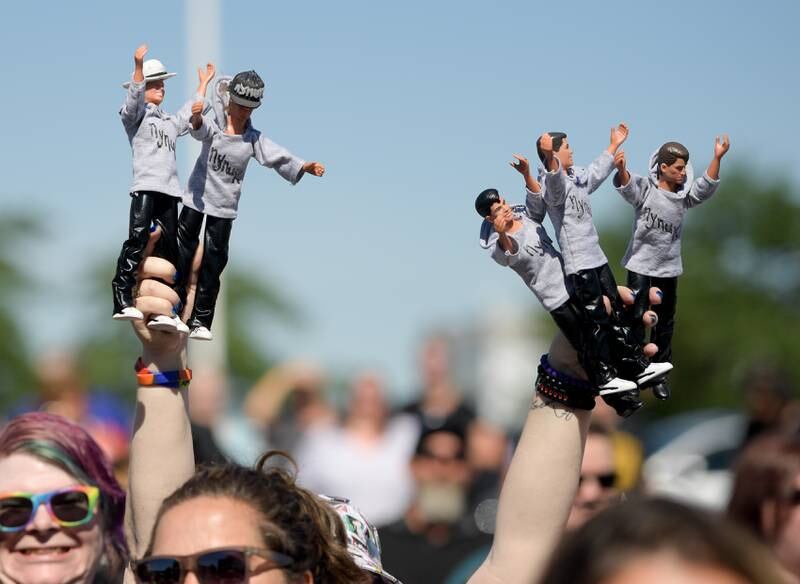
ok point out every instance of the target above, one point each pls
(184, 114)
(704, 187)
(632, 187)
(132, 110)
(523, 167)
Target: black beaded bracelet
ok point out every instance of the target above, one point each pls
(559, 387)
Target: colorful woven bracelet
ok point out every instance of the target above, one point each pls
(174, 379)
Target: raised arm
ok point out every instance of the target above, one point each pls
(523, 167)
(631, 187)
(602, 166)
(133, 109)
(542, 479)
(184, 115)
(555, 187)
(162, 457)
(704, 187)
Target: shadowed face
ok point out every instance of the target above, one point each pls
(154, 92)
(44, 552)
(564, 155)
(675, 173)
(597, 488)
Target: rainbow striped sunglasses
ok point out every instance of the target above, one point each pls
(68, 507)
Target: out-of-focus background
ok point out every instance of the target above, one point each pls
(359, 312)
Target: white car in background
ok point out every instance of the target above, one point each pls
(691, 456)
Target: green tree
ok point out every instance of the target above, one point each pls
(739, 296)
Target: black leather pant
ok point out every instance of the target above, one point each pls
(594, 359)
(215, 257)
(147, 207)
(610, 332)
(662, 333)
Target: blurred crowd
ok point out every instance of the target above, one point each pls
(428, 473)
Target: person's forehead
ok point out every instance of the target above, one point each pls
(598, 456)
(25, 473)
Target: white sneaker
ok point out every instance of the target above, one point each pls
(129, 313)
(617, 385)
(201, 333)
(163, 323)
(653, 371)
(181, 326)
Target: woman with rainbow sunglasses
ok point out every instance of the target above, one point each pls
(61, 509)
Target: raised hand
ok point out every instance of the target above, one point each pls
(721, 148)
(315, 168)
(546, 144)
(521, 165)
(206, 76)
(197, 115)
(138, 62)
(619, 161)
(619, 135)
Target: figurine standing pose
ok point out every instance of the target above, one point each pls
(216, 185)
(566, 195)
(653, 257)
(155, 192)
(515, 237)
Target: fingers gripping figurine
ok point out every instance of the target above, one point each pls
(152, 134)
(653, 257)
(515, 237)
(229, 142)
(566, 195)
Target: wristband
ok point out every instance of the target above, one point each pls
(174, 379)
(564, 389)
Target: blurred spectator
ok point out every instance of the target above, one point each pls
(366, 459)
(628, 450)
(768, 393)
(488, 455)
(598, 487)
(62, 390)
(766, 495)
(287, 401)
(436, 535)
(441, 404)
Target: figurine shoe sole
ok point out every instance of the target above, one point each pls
(654, 371)
(201, 333)
(617, 385)
(129, 313)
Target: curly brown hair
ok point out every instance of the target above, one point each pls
(294, 521)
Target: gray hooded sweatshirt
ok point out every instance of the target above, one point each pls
(567, 198)
(152, 134)
(215, 185)
(534, 258)
(655, 245)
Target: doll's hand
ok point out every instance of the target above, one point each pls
(619, 161)
(197, 115)
(197, 108)
(138, 56)
(720, 148)
(207, 75)
(315, 168)
(522, 165)
(546, 144)
(619, 135)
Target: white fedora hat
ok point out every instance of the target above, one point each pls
(153, 70)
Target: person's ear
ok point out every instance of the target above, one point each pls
(662, 167)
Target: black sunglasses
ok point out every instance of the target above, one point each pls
(217, 566)
(606, 480)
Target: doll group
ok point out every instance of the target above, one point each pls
(572, 284)
(229, 140)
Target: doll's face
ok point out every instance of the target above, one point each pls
(564, 155)
(674, 173)
(238, 113)
(501, 210)
(154, 92)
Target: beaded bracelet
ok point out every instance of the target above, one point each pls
(564, 389)
(174, 379)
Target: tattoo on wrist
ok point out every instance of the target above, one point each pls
(560, 411)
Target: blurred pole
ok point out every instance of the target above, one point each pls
(203, 41)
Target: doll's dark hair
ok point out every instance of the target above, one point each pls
(669, 153)
(484, 202)
(293, 520)
(558, 140)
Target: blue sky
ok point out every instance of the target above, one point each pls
(414, 107)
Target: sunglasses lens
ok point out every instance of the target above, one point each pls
(70, 507)
(159, 571)
(15, 512)
(607, 480)
(222, 567)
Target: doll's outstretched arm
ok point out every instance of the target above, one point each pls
(602, 166)
(286, 164)
(720, 149)
(138, 63)
(542, 479)
(184, 115)
(523, 167)
(133, 109)
(631, 187)
(704, 187)
(555, 188)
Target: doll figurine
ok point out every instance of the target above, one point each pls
(653, 257)
(516, 238)
(566, 190)
(155, 192)
(229, 142)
